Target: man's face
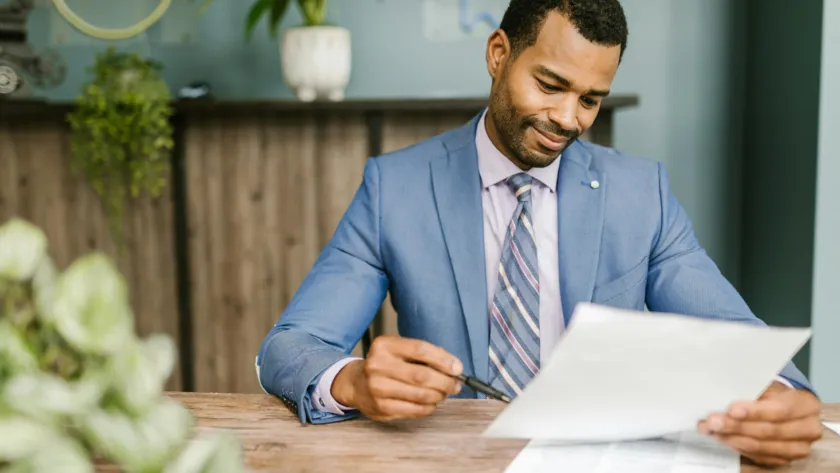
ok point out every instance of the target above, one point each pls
(542, 100)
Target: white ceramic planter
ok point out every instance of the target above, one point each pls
(316, 61)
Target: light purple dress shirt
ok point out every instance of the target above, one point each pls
(498, 203)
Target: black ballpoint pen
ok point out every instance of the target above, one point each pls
(483, 388)
(479, 386)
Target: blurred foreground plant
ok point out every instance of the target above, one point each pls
(76, 384)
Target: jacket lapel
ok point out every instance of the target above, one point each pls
(580, 219)
(457, 189)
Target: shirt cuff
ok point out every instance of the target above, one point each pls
(785, 382)
(322, 399)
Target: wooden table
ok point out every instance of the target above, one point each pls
(449, 440)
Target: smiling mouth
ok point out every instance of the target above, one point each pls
(551, 141)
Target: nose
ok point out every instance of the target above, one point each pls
(564, 112)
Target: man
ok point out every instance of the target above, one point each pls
(487, 237)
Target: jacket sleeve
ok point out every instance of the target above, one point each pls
(331, 309)
(682, 278)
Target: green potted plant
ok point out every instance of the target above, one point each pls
(78, 387)
(121, 132)
(315, 56)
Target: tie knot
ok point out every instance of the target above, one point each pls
(520, 184)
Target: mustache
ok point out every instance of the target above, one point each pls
(550, 127)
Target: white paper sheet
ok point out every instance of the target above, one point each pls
(686, 453)
(625, 375)
(834, 426)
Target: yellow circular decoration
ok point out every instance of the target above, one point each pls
(108, 33)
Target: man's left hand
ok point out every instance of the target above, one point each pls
(774, 430)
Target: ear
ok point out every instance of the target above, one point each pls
(498, 52)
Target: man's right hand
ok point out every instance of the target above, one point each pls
(400, 378)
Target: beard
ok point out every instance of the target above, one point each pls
(511, 126)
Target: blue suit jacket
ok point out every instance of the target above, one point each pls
(415, 228)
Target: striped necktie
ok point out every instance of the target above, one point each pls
(514, 313)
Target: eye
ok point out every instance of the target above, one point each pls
(588, 102)
(548, 87)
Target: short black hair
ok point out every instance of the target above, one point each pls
(599, 21)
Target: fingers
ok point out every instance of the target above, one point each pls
(766, 461)
(807, 429)
(421, 376)
(772, 431)
(407, 378)
(387, 388)
(777, 407)
(773, 449)
(424, 352)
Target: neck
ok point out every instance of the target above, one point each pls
(493, 134)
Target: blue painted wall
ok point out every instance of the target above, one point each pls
(825, 346)
(396, 54)
(685, 60)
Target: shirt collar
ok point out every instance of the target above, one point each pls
(494, 167)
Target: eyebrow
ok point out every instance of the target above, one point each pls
(566, 82)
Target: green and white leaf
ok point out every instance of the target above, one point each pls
(74, 377)
(15, 354)
(139, 372)
(58, 454)
(20, 437)
(22, 245)
(44, 285)
(218, 452)
(139, 445)
(49, 398)
(91, 309)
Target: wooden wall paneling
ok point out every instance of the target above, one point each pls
(403, 129)
(36, 184)
(264, 196)
(150, 267)
(230, 178)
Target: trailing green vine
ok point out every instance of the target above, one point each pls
(121, 132)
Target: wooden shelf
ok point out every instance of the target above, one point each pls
(17, 109)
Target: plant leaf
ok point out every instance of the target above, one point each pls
(43, 283)
(91, 310)
(16, 355)
(313, 11)
(22, 245)
(147, 443)
(47, 397)
(254, 14)
(62, 454)
(140, 370)
(278, 10)
(217, 452)
(20, 437)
